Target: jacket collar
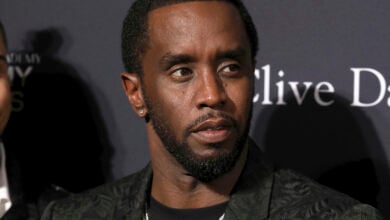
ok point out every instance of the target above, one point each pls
(252, 194)
(137, 196)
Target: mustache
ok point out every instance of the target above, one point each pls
(210, 115)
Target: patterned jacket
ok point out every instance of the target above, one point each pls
(260, 193)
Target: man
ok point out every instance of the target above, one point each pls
(190, 76)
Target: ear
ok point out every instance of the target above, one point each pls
(131, 83)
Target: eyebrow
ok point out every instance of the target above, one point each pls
(169, 59)
(231, 54)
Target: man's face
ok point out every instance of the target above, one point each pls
(197, 84)
(5, 93)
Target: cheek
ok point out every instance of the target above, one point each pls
(170, 106)
(240, 97)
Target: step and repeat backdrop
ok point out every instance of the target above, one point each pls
(321, 105)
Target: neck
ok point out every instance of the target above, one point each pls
(173, 187)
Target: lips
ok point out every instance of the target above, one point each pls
(213, 130)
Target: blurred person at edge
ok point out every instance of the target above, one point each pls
(12, 203)
(5, 112)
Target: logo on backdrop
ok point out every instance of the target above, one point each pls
(320, 90)
(21, 65)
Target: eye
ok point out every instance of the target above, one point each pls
(230, 70)
(182, 74)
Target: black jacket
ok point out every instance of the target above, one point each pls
(260, 193)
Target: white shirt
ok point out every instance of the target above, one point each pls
(5, 200)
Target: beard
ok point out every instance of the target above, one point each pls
(203, 168)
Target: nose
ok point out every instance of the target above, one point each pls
(210, 92)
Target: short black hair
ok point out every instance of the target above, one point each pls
(135, 25)
(3, 35)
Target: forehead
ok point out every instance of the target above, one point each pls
(195, 20)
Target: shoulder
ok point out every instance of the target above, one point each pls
(297, 196)
(102, 202)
